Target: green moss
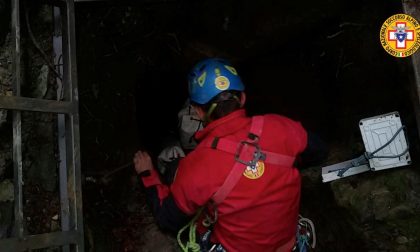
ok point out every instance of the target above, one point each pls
(396, 181)
(6, 191)
(409, 228)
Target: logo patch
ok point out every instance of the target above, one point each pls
(255, 172)
(202, 79)
(222, 83)
(400, 35)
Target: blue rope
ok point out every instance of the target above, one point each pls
(303, 243)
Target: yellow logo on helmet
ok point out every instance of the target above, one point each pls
(222, 83)
(255, 172)
(202, 79)
(231, 69)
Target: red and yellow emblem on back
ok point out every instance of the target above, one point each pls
(255, 172)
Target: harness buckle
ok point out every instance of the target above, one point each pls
(258, 155)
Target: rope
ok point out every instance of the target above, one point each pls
(191, 244)
(306, 237)
(312, 229)
(302, 243)
(38, 47)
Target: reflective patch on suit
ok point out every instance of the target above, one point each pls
(255, 172)
(222, 83)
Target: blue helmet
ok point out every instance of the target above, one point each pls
(210, 77)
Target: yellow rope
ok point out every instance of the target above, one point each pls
(192, 244)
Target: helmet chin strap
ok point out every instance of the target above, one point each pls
(209, 112)
(213, 106)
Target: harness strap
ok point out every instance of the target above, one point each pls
(244, 150)
(256, 127)
(231, 180)
(231, 146)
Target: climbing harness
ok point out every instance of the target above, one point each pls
(247, 153)
(305, 235)
(385, 148)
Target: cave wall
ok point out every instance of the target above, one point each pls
(412, 8)
(6, 184)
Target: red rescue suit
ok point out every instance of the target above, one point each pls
(260, 214)
(261, 211)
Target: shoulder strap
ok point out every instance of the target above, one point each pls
(232, 146)
(256, 127)
(244, 150)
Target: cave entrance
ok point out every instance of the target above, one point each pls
(324, 67)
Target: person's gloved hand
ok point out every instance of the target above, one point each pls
(167, 156)
(142, 162)
(170, 153)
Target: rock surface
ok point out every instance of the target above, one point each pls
(384, 206)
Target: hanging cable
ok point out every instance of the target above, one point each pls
(371, 155)
(37, 46)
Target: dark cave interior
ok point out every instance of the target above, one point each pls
(320, 63)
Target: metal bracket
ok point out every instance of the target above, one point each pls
(386, 147)
(258, 155)
(340, 170)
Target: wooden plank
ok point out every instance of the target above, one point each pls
(39, 241)
(72, 123)
(36, 105)
(61, 130)
(17, 123)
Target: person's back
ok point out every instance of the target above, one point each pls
(260, 213)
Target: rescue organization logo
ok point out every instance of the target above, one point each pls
(255, 172)
(222, 83)
(400, 35)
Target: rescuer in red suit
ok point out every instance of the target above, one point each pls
(242, 172)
